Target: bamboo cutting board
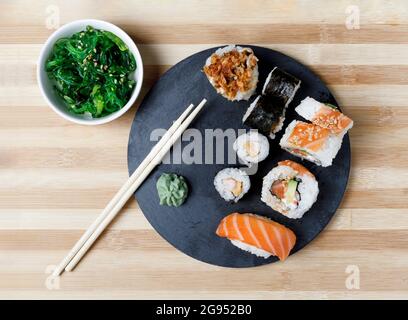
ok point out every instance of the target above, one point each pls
(55, 176)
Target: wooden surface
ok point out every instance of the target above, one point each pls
(55, 176)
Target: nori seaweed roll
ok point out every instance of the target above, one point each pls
(281, 85)
(267, 112)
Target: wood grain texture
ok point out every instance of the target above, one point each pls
(55, 176)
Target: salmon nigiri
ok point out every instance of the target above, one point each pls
(257, 235)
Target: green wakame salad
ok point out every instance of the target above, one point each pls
(91, 72)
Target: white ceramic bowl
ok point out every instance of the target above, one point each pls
(46, 85)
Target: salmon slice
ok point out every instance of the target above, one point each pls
(296, 166)
(309, 136)
(279, 188)
(259, 232)
(331, 119)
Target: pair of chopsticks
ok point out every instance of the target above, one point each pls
(126, 191)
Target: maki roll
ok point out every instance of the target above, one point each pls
(325, 115)
(233, 72)
(281, 85)
(251, 147)
(232, 184)
(267, 112)
(257, 235)
(311, 142)
(290, 189)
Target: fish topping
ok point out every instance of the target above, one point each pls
(278, 188)
(331, 119)
(234, 186)
(232, 71)
(308, 135)
(296, 166)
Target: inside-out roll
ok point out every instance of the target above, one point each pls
(290, 189)
(325, 115)
(311, 142)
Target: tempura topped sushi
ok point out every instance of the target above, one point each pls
(233, 72)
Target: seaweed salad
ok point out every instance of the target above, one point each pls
(91, 72)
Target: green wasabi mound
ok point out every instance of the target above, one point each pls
(172, 190)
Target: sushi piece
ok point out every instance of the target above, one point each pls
(281, 85)
(251, 147)
(324, 115)
(290, 189)
(233, 72)
(267, 112)
(311, 142)
(266, 115)
(257, 235)
(232, 184)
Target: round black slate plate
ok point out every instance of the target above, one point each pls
(191, 227)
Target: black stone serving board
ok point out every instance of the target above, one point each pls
(191, 227)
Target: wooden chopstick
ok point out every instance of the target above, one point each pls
(60, 268)
(128, 192)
